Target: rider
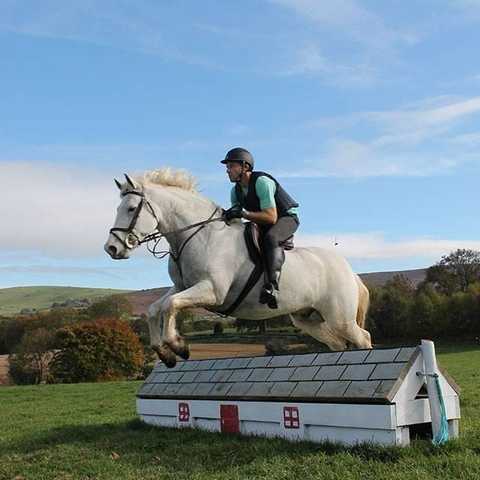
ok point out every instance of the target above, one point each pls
(258, 197)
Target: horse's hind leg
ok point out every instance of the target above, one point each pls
(358, 337)
(316, 327)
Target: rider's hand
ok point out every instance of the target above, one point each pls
(231, 213)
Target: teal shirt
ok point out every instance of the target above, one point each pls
(265, 189)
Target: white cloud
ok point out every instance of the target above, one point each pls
(138, 27)
(374, 246)
(309, 60)
(421, 119)
(59, 211)
(147, 27)
(55, 210)
(424, 119)
(469, 8)
(371, 44)
(467, 139)
(418, 140)
(349, 17)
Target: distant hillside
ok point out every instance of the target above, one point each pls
(13, 300)
(377, 279)
(142, 299)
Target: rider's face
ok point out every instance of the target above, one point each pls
(234, 171)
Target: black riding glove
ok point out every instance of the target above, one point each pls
(231, 213)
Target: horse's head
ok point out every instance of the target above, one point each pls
(136, 218)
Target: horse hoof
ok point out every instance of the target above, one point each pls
(184, 352)
(181, 348)
(165, 355)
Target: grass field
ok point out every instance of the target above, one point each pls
(89, 431)
(12, 300)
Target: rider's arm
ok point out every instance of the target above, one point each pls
(265, 189)
(233, 198)
(267, 216)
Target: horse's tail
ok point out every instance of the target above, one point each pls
(363, 302)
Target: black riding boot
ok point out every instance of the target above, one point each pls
(274, 259)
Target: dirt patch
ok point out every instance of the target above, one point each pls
(210, 350)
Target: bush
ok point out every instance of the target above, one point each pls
(218, 328)
(202, 325)
(107, 349)
(140, 327)
(29, 365)
(242, 324)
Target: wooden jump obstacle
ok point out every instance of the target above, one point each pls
(350, 396)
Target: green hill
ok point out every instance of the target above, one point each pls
(14, 299)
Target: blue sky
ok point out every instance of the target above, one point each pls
(368, 112)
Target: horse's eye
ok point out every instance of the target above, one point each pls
(131, 209)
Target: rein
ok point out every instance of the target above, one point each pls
(157, 237)
(132, 239)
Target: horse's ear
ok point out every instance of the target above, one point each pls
(119, 185)
(129, 180)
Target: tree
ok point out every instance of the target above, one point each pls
(421, 321)
(11, 333)
(218, 328)
(456, 271)
(114, 306)
(106, 349)
(29, 365)
(389, 312)
(402, 284)
(12, 330)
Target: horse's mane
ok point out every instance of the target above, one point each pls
(169, 177)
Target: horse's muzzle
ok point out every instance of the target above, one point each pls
(115, 253)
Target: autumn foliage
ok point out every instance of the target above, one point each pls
(106, 349)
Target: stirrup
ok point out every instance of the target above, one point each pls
(267, 296)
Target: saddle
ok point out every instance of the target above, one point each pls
(253, 241)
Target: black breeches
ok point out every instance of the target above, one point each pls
(273, 253)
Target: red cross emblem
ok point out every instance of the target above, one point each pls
(183, 412)
(291, 418)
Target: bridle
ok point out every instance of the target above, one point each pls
(132, 240)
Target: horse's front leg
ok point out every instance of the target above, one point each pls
(200, 295)
(155, 320)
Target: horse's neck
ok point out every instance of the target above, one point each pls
(185, 209)
(181, 209)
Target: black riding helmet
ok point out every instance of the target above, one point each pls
(240, 155)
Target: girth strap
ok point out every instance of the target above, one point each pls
(251, 282)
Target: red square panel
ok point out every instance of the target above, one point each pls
(229, 420)
(183, 412)
(291, 418)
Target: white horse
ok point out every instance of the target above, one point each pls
(209, 268)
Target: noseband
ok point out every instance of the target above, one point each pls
(132, 240)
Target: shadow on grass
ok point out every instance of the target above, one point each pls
(186, 450)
